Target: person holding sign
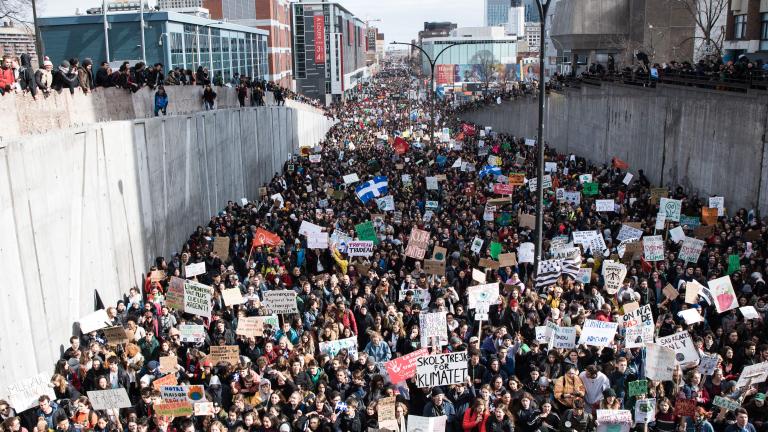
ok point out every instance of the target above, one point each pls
(569, 388)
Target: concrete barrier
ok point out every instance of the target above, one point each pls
(710, 142)
(85, 210)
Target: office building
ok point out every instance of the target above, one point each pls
(531, 10)
(231, 10)
(17, 41)
(497, 12)
(190, 7)
(328, 50)
(746, 30)
(174, 39)
(533, 36)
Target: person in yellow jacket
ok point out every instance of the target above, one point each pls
(569, 387)
(340, 261)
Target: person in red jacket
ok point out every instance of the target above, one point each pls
(6, 75)
(475, 418)
(345, 316)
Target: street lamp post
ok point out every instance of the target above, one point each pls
(432, 63)
(543, 6)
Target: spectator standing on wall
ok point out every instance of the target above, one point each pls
(209, 97)
(279, 99)
(201, 77)
(103, 76)
(66, 77)
(161, 101)
(6, 75)
(242, 92)
(44, 77)
(27, 75)
(85, 75)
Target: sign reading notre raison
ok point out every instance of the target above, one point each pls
(441, 369)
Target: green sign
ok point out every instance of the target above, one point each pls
(692, 222)
(504, 219)
(734, 264)
(365, 231)
(495, 250)
(638, 387)
(591, 188)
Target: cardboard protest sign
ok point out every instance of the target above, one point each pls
(156, 276)
(224, 353)
(23, 394)
(232, 296)
(657, 194)
(653, 248)
(682, 344)
(441, 369)
(704, 232)
(488, 264)
(723, 294)
(516, 179)
(598, 333)
(434, 267)
(116, 335)
(167, 380)
(507, 260)
(670, 292)
(168, 364)
(250, 327)
(404, 367)
(197, 299)
(478, 276)
(690, 250)
(685, 407)
(692, 290)
(281, 301)
(174, 296)
(417, 244)
(109, 399)
(527, 220)
(221, 247)
(433, 329)
(614, 274)
(660, 362)
(194, 269)
(173, 409)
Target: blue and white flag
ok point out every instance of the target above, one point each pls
(372, 189)
(489, 170)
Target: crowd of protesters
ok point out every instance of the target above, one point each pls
(17, 74)
(284, 382)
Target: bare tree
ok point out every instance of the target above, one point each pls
(707, 14)
(17, 11)
(487, 64)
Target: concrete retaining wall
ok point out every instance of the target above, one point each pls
(710, 142)
(87, 209)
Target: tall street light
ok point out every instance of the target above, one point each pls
(543, 6)
(432, 63)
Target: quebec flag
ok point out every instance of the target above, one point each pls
(489, 169)
(372, 189)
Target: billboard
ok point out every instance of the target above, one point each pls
(444, 74)
(475, 73)
(319, 25)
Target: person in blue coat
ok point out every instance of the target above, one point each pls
(161, 101)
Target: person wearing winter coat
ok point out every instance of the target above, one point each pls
(104, 76)
(44, 77)
(499, 421)
(85, 75)
(161, 101)
(27, 75)
(66, 77)
(474, 419)
(209, 97)
(7, 78)
(378, 349)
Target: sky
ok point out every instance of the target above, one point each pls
(401, 20)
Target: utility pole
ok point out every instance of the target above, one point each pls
(543, 9)
(38, 39)
(106, 28)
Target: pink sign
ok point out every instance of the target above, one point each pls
(503, 189)
(404, 367)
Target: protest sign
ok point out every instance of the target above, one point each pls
(386, 410)
(653, 248)
(187, 393)
(584, 178)
(708, 363)
(417, 244)
(749, 312)
(488, 264)
(627, 232)
(709, 216)
(404, 367)
(637, 388)
(637, 317)
(690, 222)
(157, 275)
(753, 374)
(525, 253)
(627, 179)
(420, 296)
(386, 203)
(224, 353)
(723, 294)
(507, 260)
(433, 329)
(598, 333)
(281, 301)
(204, 409)
(685, 407)
(168, 364)
(307, 228)
(265, 238)
(483, 295)
(197, 299)
(503, 189)
(671, 209)
(692, 290)
(441, 369)
(660, 362)
(351, 178)
(426, 424)
(584, 237)
(109, 399)
(604, 205)
(670, 292)
(591, 188)
(232, 296)
(22, 395)
(682, 344)
(690, 250)
(527, 220)
(478, 276)
(94, 321)
(173, 409)
(614, 274)
(726, 403)
(115, 335)
(431, 183)
(221, 247)
(250, 327)
(584, 276)
(191, 333)
(434, 267)
(573, 198)
(719, 204)
(657, 194)
(167, 380)
(194, 269)
(363, 248)
(315, 158)
(677, 234)
(691, 316)
(516, 179)
(334, 347)
(613, 420)
(564, 338)
(645, 411)
(317, 240)
(477, 245)
(174, 297)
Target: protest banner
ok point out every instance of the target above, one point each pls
(637, 388)
(174, 296)
(363, 248)
(194, 269)
(604, 205)
(690, 250)
(503, 189)
(281, 302)
(191, 333)
(564, 338)
(197, 299)
(334, 347)
(173, 409)
(109, 399)
(434, 267)
(168, 364)
(598, 333)
(671, 208)
(224, 353)
(682, 344)
(645, 411)
(726, 403)
(221, 247)
(167, 380)
(115, 335)
(685, 407)
(660, 362)
(614, 274)
(417, 244)
(752, 375)
(420, 296)
(94, 321)
(653, 248)
(188, 393)
(404, 367)
(627, 232)
(723, 294)
(23, 394)
(433, 329)
(232, 296)
(613, 420)
(266, 238)
(250, 327)
(441, 369)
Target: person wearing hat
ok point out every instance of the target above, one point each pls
(609, 400)
(85, 75)
(438, 406)
(66, 77)
(44, 77)
(757, 412)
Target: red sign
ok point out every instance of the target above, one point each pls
(404, 367)
(319, 38)
(685, 407)
(264, 237)
(503, 189)
(445, 73)
(400, 145)
(468, 129)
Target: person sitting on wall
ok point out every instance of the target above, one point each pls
(161, 101)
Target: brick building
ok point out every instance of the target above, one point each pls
(16, 40)
(746, 28)
(275, 17)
